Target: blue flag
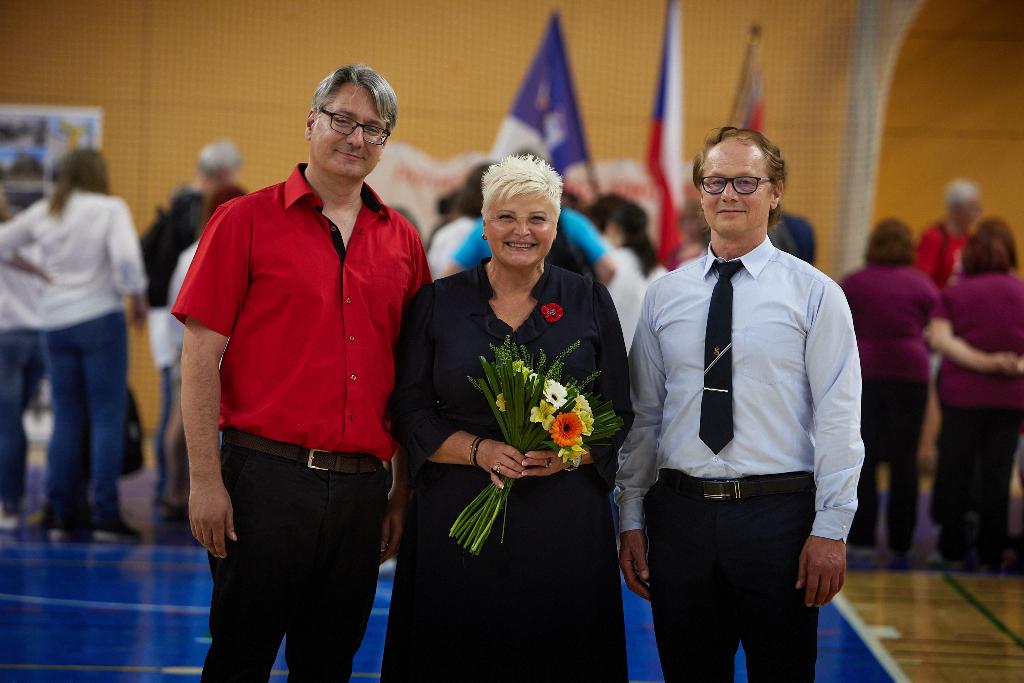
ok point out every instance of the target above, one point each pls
(544, 114)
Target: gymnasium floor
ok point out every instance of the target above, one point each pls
(76, 611)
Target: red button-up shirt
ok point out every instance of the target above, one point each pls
(310, 358)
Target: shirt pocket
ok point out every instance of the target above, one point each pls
(770, 352)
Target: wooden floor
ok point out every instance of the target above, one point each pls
(943, 627)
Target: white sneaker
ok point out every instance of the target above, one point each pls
(9, 521)
(937, 561)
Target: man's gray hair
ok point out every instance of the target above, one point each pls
(518, 176)
(380, 90)
(218, 156)
(961, 191)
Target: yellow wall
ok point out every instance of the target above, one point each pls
(956, 109)
(171, 76)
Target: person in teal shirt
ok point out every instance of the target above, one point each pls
(581, 240)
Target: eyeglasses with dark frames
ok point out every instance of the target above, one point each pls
(340, 123)
(746, 184)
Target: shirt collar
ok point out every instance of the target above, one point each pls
(297, 187)
(753, 261)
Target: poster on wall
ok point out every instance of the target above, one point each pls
(33, 139)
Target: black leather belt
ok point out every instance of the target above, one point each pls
(737, 489)
(313, 458)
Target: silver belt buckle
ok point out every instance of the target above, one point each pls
(725, 494)
(312, 454)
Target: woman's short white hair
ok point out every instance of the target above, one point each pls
(522, 175)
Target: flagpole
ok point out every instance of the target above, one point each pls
(592, 179)
(746, 76)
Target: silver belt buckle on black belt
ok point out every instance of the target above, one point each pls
(312, 455)
(723, 490)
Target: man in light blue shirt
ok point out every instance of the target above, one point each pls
(743, 461)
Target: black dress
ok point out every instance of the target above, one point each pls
(545, 605)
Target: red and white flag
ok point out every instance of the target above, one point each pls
(664, 153)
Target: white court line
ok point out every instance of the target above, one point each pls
(121, 606)
(95, 604)
(868, 635)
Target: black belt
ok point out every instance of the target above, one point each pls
(313, 458)
(737, 489)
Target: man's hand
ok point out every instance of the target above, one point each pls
(140, 309)
(393, 525)
(211, 517)
(633, 562)
(822, 570)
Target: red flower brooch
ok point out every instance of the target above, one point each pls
(552, 312)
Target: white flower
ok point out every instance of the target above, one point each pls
(554, 393)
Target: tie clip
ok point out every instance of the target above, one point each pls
(724, 391)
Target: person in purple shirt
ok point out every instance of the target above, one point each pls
(979, 330)
(891, 304)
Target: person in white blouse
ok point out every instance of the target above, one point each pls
(90, 252)
(636, 264)
(449, 237)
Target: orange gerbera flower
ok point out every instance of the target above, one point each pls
(567, 429)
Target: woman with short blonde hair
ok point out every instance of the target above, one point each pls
(551, 573)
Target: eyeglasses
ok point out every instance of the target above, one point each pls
(746, 184)
(340, 123)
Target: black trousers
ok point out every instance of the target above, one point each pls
(892, 413)
(975, 443)
(723, 572)
(305, 565)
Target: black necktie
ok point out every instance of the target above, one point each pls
(716, 403)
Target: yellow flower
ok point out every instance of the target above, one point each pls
(571, 452)
(544, 414)
(499, 401)
(582, 409)
(588, 423)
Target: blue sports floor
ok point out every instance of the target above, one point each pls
(81, 612)
(77, 611)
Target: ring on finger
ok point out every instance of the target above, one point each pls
(547, 463)
(497, 466)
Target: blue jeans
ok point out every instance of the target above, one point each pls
(161, 431)
(21, 368)
(88, 367)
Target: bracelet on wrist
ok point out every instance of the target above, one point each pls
(573, 463)
(473, 450)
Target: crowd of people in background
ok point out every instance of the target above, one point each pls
(938, 328)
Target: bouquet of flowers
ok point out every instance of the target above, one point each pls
(534, 410)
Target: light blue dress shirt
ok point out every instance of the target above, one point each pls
(796, 385)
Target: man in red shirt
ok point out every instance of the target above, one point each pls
(941, 243)
(292, 309)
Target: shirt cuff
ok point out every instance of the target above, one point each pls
(631, 514)
(834, 524)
